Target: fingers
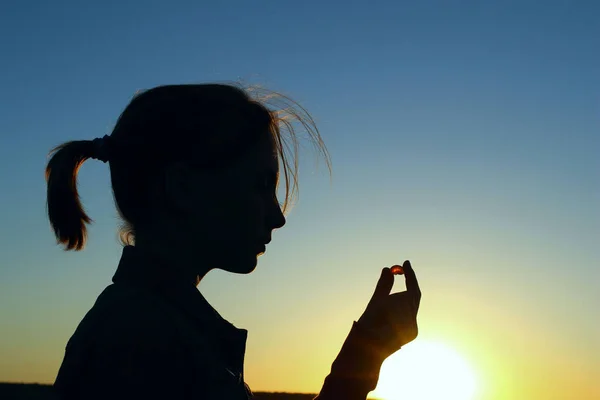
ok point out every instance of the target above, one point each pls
(412, 285)
(384, 285)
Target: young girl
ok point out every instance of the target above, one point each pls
(195, 171)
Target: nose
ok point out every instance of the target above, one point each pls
(277, 217)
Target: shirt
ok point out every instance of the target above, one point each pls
(147, 336)
(151, 336)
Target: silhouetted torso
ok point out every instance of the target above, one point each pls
(146, 337)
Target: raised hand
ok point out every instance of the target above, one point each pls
(392, 318)
(388, 323)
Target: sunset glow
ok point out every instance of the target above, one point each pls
(463, 136)
(426, 370)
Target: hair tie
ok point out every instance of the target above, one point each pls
(101, 149)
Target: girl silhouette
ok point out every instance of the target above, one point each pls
(194, 172)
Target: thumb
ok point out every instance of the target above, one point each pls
(384, 285)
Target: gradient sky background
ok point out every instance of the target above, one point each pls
(463, 134)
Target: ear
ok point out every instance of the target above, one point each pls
(178, 185)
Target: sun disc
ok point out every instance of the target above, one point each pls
(426, 370)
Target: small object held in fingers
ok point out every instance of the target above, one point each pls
(397, 270)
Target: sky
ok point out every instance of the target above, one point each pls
(463, 135)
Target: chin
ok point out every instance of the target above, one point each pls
(243, 271)
(242, 266)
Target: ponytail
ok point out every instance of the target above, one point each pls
(65, 212)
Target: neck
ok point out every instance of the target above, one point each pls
(183, 259)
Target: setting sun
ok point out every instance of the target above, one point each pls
(426, 370)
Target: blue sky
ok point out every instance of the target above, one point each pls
(464, 136)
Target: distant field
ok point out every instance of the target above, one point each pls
(30, 391)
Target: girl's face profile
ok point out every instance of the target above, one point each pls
(230, 213)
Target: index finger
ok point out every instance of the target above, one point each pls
(412, 285)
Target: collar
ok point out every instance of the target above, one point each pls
(143, 270)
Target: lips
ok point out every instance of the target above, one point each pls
(262, 248)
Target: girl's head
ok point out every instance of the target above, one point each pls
(194, 169)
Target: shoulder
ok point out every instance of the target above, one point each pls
(125, 320)
(125, 341)
(127, 314)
